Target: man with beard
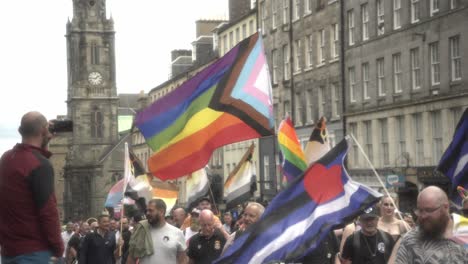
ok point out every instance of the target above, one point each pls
(429, 242)
(154, 241)
(29, 220)
(206, 246)
(368, 245)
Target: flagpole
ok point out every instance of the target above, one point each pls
(378, 178)
(213, 198)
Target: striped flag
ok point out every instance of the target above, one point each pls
(116, 194)
(137, 184)
(168, 192)
(454, 161)
(293, 160)
(241, 182)
(197, 186)
(299, 217)
(229, 101)
(318, 144)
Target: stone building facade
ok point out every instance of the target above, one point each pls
(302, 44)
(406, 84)
(92, 164)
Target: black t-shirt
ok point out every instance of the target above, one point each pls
(75, 243)
(96, 249)
(324, 252)
(205, 250)
(369, 250)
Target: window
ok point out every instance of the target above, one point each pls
(225, 44)
(321, 46)
(297, 56)
(286, 62)
(335, 99)
(287, 108)
(436, 121)
(365, 22)
(298, 110)
(455, 58)
(384, 141)
(355, 154)
(264, 16)
(396, 14)
(365, 80)
(228, 168)
(231, 40)
(380, 17)
(266, 172)
(285, 11)
(456, 116)
(435, 66)
(434, 6)
(334, 41)
(396, 58)
(415, 69)
(274, 14)
(414, 11)
(308, 51)
(321, 101)
(94, 54)
(401, 137)
(352, 84)
(238, 39)
(381, 76)
(454, 4)
(251, 27)
(351, 27)
(307, 7)
(310, 107)
(274, 59)
(368, 140)
(418, 138)
(297, 10)
(96, 124)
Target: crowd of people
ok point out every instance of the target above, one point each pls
(30, 230)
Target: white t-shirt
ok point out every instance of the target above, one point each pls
(168, 241)
(65, 238)
(189, 233)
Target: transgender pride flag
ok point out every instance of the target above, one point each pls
(229, 101)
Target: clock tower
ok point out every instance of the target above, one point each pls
(92, 105)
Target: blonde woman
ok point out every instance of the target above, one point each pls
(388, 222)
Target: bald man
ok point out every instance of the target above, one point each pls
(206, 245)
(429, 242)
(30, 229)
(179, 216)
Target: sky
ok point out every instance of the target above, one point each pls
(33, 71)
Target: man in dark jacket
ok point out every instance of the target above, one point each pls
(29, 221)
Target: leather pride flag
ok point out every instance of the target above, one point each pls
(299, 217)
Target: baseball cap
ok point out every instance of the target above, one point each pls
(370, 212)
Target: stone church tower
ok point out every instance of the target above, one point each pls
(92, 105)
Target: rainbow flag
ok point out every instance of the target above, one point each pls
(229, 101)
(294, 163)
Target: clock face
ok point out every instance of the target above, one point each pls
(95, 78)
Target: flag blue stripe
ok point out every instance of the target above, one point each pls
(290, 170)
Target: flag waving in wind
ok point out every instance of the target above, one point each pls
(318, 143)
(299, 217)
(228, 101)
(294, 163)
(454, 162)
(241, 182)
